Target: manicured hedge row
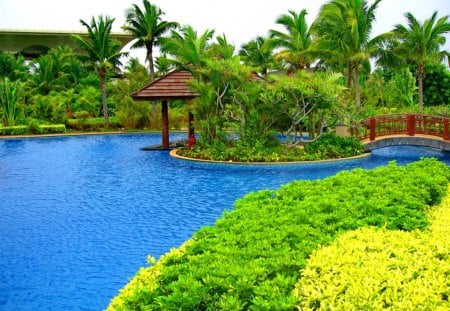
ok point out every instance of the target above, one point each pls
(14, 130)
(378, 269)
(251, 257)
(39, 129)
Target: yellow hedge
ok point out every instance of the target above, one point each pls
(379, 269)
(145, 279)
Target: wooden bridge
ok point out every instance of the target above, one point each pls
(404, 129)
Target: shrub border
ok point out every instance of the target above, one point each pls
(173, 153)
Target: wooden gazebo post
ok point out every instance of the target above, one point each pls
(165, 125)
(169, 87)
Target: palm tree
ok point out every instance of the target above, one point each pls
(420, 43)
(147, 27)
(258, 53)
(222, 49)
(103, 51)
(296, 42)
(13, 67)
(188, 48)
(342, 31)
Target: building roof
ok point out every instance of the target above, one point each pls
(169, 87)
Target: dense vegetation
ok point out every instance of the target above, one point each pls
(327, 146)
(298, 79)
(254, 255)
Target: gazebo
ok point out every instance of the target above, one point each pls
(172, 86)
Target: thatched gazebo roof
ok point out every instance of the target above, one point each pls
(172, 86)
(169, 87)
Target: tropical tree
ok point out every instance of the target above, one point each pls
(9, 96)
(163, 65)
(147, 26)
(46, 75)
(187, 47)
(342, 32)
(222, 49)
(295, 43)
(103, 51)
(259, 54)
(301, 102)
(420, 44)
(13, 67)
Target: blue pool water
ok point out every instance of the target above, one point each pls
(79, 215)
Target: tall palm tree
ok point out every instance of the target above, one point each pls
(296, 42)
(103, 52)
(420, 43)
(147, 26)
(342, 31)
(188, 48)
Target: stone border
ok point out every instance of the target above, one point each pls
(173, 153)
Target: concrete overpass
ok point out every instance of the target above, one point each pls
(32, 43)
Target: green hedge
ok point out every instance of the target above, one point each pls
(377, 269)
(251, 258)
(14, 130)
(92, 124)
(33, 129)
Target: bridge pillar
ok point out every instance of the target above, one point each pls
(372, 125)
(411, 124)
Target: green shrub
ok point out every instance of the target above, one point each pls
(251, 257)
(329, 146)
(51, 128)
(14, 130)
(91, 124)
(375, 269)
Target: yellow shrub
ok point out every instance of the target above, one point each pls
(144, 278)
(375, 269)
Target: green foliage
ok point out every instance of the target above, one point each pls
(9, 97)
(89, 100)
(251, 258)
(14, 130)
(84, 123)
(436, 86)
(13, 67)
(50, 108)
(374, 269)
(269, 149)
(332, 146)
(400, 89)
(302, 102)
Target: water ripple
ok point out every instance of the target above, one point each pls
(79, 215)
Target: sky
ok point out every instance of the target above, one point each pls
(240, 20)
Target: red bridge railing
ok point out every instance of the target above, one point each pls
(403, 124)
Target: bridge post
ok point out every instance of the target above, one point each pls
(411, 124)
(372, 125)
(446, 130)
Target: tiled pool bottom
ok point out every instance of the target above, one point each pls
(79, 215)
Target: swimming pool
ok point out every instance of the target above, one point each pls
(79, 215)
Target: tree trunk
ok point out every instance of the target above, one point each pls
(421, 73)
(102, 76)
(152, 77)
(349, 74)
(357, 87)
